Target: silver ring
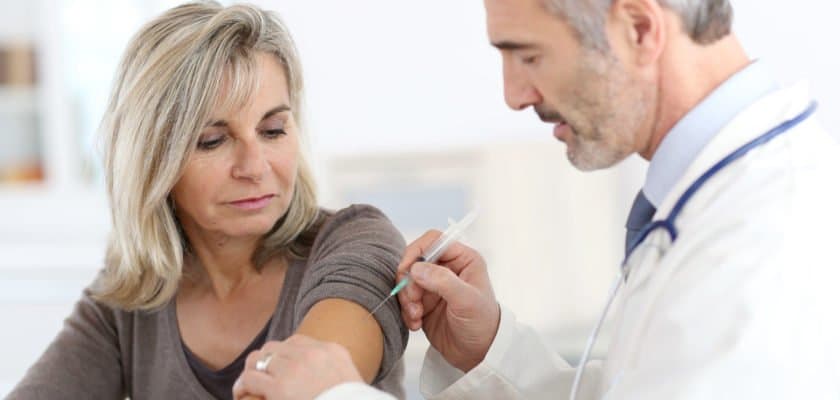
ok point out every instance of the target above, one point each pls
(262, 363)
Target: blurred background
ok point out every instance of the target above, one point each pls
(405, 112)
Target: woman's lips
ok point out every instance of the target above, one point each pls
(255, 203)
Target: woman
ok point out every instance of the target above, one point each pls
(218, 246)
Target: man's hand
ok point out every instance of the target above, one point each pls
(453, 302)
(300, 368)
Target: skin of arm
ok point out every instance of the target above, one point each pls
(351, 326)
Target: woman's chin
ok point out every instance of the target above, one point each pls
(249, 229)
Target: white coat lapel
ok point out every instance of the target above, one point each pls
(649, 266)
(757, 119)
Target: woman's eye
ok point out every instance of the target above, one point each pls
(211, 143)
(273, 133)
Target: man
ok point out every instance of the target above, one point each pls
(733, 298)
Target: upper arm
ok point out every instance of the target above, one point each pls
(350, 325)
(351, 268)
(83, 361)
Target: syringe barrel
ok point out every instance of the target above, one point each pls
(452, 234)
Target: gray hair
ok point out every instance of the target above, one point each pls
(705, 21)
(168, 83)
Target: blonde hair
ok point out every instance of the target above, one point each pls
(168, 83)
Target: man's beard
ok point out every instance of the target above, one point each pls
(606, 113)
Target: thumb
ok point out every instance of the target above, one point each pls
(441, 281)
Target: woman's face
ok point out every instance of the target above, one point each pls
(240, 178)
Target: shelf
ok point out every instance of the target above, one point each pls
(48, 233)
(21, 157)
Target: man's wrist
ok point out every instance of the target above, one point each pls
(471, 363)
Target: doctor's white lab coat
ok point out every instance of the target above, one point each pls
(745, 304)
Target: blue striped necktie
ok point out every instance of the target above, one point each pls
(640, 215)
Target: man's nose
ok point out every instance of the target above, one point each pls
(520, 93)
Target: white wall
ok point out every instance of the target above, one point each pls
(409, 75)
(799, 40)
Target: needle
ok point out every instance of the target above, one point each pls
(437, 248)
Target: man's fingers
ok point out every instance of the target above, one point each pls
(415, 300)
(415, 307)
(253, 357)
(442, 281)
(415, 250)
(412, 310)
(456, 257)
(429, 302)
(252, 384)
(412, 292)
(271, 348)
(292, 348)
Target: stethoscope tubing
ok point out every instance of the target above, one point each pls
(669, 225)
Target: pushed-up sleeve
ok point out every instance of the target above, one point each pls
(355, 257)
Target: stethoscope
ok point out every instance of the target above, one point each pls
(668, 224)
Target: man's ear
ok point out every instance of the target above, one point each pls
(636, 30)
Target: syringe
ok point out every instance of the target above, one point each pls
(431, 255)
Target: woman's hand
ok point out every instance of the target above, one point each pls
(299, 368)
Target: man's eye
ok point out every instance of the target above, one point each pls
(529, 60)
